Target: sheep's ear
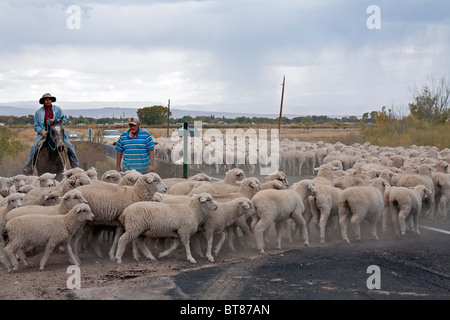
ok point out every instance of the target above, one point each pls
(78, 210)
(202, 199)
(150, 179)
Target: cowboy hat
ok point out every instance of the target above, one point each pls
(46, 95)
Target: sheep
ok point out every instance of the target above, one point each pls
(404, 203)
(35, 196)
(273, 184)
(68, 201)
(348, 181)
(197, 177)
(323, 206)
(111, 176)
(12, 201)
(184, 187)
(45, 180)
(227, 185)
(359, 203)
(248, 188)
(280, 176)
(325, 175)
(20, 180)
(46, 197)
(109, 200)
(225, 216)
(129, 178)
(26, 188)
(32, 231)
(156, 219)
(424, 176)
(441, 183)
(5, 186)
(279, 205)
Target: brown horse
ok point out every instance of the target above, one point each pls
(52, 151)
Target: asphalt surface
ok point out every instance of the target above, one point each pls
(415, 267)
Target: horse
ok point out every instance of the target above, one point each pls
(52, 151)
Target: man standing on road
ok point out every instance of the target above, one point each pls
(47, 112)
(136, 147)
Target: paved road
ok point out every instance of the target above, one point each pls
(410, 268)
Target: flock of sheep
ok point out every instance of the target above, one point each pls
(390, 187)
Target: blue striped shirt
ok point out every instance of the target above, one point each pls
(136, 151)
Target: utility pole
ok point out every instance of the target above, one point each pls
(281, 107)
(168, 117)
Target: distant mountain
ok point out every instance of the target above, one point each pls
(96, 109)
(121, 112)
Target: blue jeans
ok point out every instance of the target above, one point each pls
(70, 151)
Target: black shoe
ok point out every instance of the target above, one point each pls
(28, 170)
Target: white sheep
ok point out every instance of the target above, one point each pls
(406, 203)
(197, 177)
(35, 196)
(323, 206)
(68, 201)
(5, 186)
(129, 178)
(45, 180)
(359, 203)
(325, 175)
(229, 184)
(279, 205)
(158, 219)
(248, 188)
(108, 200)
(225, 216)
(278, 176)
(441, 183)
(32, 231)
(111, 176)
(9, 203)
(424, 176)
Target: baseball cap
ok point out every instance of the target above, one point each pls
(134, 120)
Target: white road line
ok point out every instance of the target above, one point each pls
(434, 229)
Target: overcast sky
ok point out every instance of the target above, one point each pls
(225, 55)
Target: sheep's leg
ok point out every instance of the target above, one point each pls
(403, 213)
(122, 243)
(443, 207)
(2, 248)
(185, 239)
(219, 244)
(174, 245)
(260, 228)
(384, 218)
(112, 250)
(322, 224)
(209, 234)
(343, 223)
(22, 256)
(71, 255)
(279, 227)
(140, 244)
(301, 223)
(415, 218)
(394, 217)
(230, 232)
(95, 238)
(196, 245)
(355, 222)
(10, 260)
(51, 245)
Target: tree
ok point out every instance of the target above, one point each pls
(153, 115)
(431, 104)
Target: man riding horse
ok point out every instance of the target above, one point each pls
(48, 112)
